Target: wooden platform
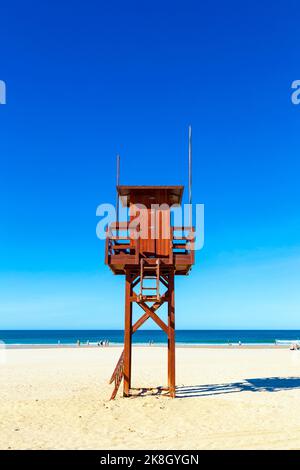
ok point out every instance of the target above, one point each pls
(123, 253)
(120, 263)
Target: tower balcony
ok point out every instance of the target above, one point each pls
(125, 249)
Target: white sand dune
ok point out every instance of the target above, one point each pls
(230, 399)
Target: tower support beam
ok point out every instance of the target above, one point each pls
(149, 312)
(171, 336)
(127, 334)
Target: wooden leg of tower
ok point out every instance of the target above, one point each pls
(171, 336)
(127, 336)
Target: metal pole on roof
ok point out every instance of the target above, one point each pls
(190, 177)
(117, 195)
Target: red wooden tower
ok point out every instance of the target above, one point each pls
(157, 258)
(149, 252)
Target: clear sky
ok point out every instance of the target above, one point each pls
(86, 80)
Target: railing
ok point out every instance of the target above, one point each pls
(117, 376)
(183, 239)
(121, 239)
(183, 242)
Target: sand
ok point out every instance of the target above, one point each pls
(229, 399)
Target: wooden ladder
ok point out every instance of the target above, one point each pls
(154, 274)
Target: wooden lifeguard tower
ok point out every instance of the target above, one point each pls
(149, 263)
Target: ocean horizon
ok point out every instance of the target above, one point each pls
(115, 337)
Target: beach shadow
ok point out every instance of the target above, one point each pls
(266, 384)
(148, 391)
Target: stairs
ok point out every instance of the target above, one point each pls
(117, 375)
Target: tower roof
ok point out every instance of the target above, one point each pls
(150, 194)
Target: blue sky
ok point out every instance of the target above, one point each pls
(88, 80)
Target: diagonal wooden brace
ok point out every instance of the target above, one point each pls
(150, 312)
(146, 315)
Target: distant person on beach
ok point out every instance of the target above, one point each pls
(78, 342)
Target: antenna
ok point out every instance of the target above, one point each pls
(190, 176)
(117, 194)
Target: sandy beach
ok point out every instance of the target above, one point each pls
(226, 399)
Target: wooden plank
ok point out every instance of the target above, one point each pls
(163, 232)
(107, 257)
(127, 336)
(163, 281)
(180, 246)
(132, 194)
(118, 379)
(122, 259)
(137, 248)
(184, 259)
(171, 337)
(121, 249)
(183, 228)
(136, 282)
(119, 237)
(120, 225)
(140, 322)
(121, 358)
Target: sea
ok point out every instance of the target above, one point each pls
(156, 337)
